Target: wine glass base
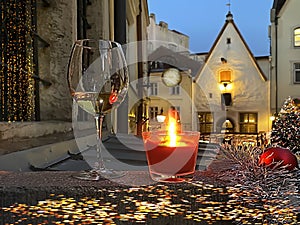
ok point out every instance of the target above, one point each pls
(101, 174)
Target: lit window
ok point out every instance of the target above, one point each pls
(297, 37)
(297, 73)
(248, 122)
(225, 76)
(206, 122)
(227, 126)
(153, 90)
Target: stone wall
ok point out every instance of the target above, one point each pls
(55, 24)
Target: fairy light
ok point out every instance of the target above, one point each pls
(285, 129)
(30, 89)
(16, 65)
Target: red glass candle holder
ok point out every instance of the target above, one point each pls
(168, 162)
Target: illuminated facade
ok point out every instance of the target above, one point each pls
(231, 92)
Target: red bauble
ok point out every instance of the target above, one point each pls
(277, 154)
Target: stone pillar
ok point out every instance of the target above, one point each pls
(56, 25)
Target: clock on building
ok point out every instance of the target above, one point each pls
(171, 77)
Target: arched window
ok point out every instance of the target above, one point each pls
(227, 126)
(297, 37)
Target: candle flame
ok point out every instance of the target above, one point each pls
(172, 128)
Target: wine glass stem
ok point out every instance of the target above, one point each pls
(99, 122)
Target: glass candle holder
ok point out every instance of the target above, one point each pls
(171, 161)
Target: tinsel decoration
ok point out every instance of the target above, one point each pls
(274, 190)
(286, 127)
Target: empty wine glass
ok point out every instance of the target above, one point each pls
(98, 82)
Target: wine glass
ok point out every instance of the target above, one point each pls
(98, 82)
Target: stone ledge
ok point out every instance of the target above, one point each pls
(21, 143)
(18, 136)
(10, 130)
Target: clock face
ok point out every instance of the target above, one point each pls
(171, 77)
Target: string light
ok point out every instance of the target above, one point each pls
(16, 65)
(285, 130)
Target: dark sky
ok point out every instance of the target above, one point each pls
(202, 20)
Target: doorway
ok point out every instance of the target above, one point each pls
(225, 125)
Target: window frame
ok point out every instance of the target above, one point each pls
(153, 112)
(295, 71)
(175, 90)
(248, 124)
(206, 126)
(296, 35)
(153, 89)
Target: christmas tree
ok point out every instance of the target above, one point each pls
(286, 127)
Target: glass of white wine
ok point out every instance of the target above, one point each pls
(98, 82)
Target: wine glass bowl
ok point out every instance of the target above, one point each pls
(98, 82)
(97, 75)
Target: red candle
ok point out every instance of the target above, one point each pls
(171, 159)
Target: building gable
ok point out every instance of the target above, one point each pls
(230, 33)
(231, 69)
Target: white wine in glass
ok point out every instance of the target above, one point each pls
(90, 102)
(98, 82)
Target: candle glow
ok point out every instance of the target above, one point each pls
(172, 128)
(171, 155)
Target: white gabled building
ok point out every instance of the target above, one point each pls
(231, 91)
